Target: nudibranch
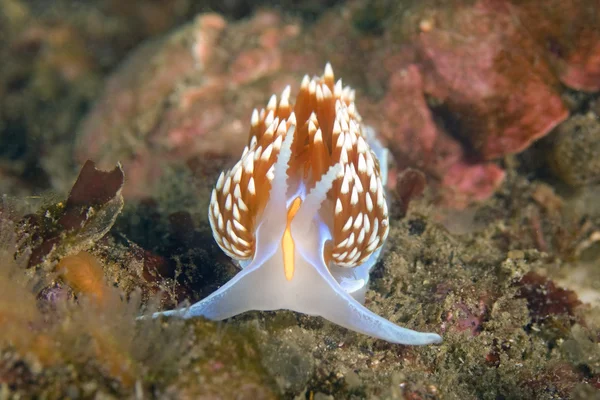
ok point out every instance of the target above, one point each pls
(304, 214)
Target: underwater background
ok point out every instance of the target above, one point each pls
(117, 117)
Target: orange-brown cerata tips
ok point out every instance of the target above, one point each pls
(329, 131)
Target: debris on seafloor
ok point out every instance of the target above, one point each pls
(70, 237)
(410, 184)
(84, 274)
(69, 227)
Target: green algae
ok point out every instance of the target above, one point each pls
(76, 349)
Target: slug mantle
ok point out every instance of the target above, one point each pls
(304, 214)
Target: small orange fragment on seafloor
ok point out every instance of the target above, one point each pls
(84, 273)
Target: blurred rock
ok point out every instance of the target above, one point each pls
(569, 34)
(415, 140)
(574, 150)
(54, 56)
(213, 74)
(486, 71)
(408, 127)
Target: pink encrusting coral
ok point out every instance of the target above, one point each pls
(477, 86)
(407, 124)
(570, 33)
(487, 72)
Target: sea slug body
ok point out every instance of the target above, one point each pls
(304, 214)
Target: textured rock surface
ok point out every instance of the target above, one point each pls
(190, 94)
(574, 150)
(487, 72)
(570, 34)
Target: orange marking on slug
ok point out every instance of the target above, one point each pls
(287, 242)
